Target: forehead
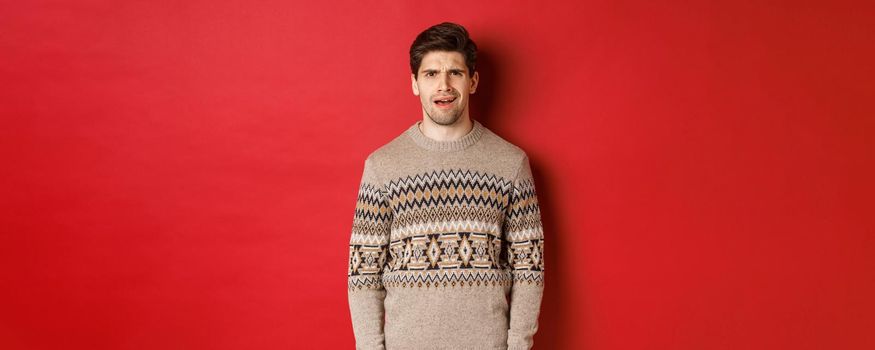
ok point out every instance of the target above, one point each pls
(442, 60)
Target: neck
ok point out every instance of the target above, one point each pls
(458, 144)
(450, 132)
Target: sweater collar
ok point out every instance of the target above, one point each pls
(455, 145)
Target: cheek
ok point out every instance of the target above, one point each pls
(423, 88)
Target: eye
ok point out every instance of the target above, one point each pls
(457, 73)
(429, 74)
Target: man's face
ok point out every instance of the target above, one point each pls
(443, 86)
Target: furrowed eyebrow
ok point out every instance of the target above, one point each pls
(451, 70)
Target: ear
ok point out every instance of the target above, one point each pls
(413, 82)
(474, 80)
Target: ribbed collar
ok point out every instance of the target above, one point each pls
(455, 145)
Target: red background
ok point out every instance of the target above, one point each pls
(183, 174)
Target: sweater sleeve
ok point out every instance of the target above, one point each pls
(525, 251)
(367, 255)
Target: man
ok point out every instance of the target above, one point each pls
(447, 224)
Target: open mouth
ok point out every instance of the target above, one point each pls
(444, 101)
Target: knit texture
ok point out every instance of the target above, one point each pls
(447, 246)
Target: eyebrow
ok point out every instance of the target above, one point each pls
(451, 70)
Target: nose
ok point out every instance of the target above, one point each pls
(444, 83)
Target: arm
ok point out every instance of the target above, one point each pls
(367, 254)
(525, 239)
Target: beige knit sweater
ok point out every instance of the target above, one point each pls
(446, 250)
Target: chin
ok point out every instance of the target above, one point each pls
(446, 121)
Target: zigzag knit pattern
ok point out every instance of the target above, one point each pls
(446, 231)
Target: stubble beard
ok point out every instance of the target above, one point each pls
(443, 118)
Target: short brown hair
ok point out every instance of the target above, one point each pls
(443, 37)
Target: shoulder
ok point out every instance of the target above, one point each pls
(383, 156)
(387, 151)
(513, 158)
(499, 147)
